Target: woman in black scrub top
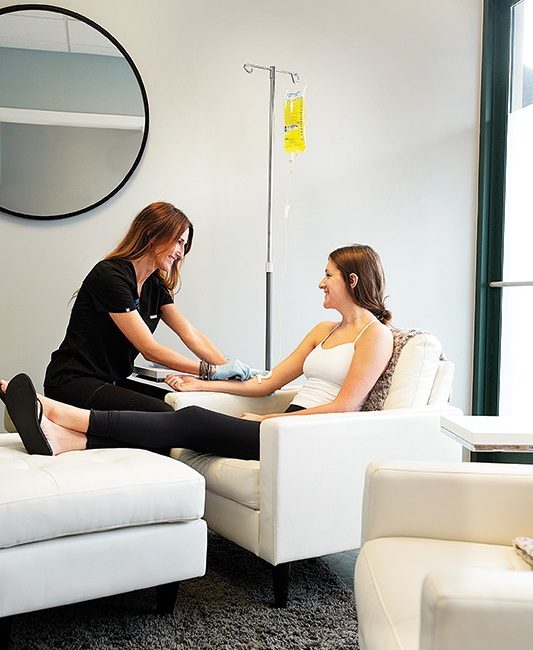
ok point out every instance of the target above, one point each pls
(116, 311)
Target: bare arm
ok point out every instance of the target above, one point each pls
(286, 371)
(136, 331)
(372, 354)
(197, 342)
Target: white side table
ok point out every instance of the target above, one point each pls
(492, 438)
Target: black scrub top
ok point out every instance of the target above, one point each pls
(93, 345)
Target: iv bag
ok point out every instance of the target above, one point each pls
(294, 121)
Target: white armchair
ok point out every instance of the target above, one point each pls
(303, 498)
(437, 570)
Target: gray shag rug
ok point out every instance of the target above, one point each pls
(228, 609)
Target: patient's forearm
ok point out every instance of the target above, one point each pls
(259, 386)
(250, 388)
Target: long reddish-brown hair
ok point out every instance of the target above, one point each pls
(155, 225)
(369, 292)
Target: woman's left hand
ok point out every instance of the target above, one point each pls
(252, 416)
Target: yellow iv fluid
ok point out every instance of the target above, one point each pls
(294, 121)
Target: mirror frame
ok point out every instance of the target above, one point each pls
(104, 32)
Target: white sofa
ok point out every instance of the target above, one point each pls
(437, 570)
(303, 498)
(89, 524)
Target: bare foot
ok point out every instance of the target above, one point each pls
(65, 415)
(62, 439)
(3, 385)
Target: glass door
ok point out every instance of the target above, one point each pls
(516, 283)
(504, 294)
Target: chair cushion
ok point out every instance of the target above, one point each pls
(408, 379)
(44, 497)
(416, 368)
(389, 576)
(232, 478)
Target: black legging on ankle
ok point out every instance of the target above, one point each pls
(192, 427)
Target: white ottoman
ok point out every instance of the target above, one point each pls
(88, 524)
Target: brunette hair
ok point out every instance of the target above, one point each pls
(155, 225)
(370, 288)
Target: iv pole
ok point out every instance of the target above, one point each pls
(269, 267)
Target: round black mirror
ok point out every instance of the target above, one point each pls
(73, 113)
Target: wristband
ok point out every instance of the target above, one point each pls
(206, 370)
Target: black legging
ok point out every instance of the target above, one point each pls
(93, 393)
(192, 427)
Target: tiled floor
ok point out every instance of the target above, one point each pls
(343, 564)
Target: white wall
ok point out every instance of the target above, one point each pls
(392, 130)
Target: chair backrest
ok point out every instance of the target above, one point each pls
(417, 374)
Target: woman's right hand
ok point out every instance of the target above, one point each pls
(184, 383)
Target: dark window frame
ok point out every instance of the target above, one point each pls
(491, 204)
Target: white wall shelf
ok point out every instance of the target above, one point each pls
(66, 118)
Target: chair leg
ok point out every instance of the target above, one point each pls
(166, 597)
(5, 631)
(280, 579)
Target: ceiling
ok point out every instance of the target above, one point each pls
(47, 30)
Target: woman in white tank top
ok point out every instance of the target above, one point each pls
(341, 360)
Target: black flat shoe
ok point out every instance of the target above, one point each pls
(25, 411)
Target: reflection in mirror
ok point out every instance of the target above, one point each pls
(73, 113)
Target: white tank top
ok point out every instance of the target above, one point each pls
(325, 371)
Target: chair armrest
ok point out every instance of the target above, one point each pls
(312, 470)
(476, 502)
(233, 404)
(478, 610)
